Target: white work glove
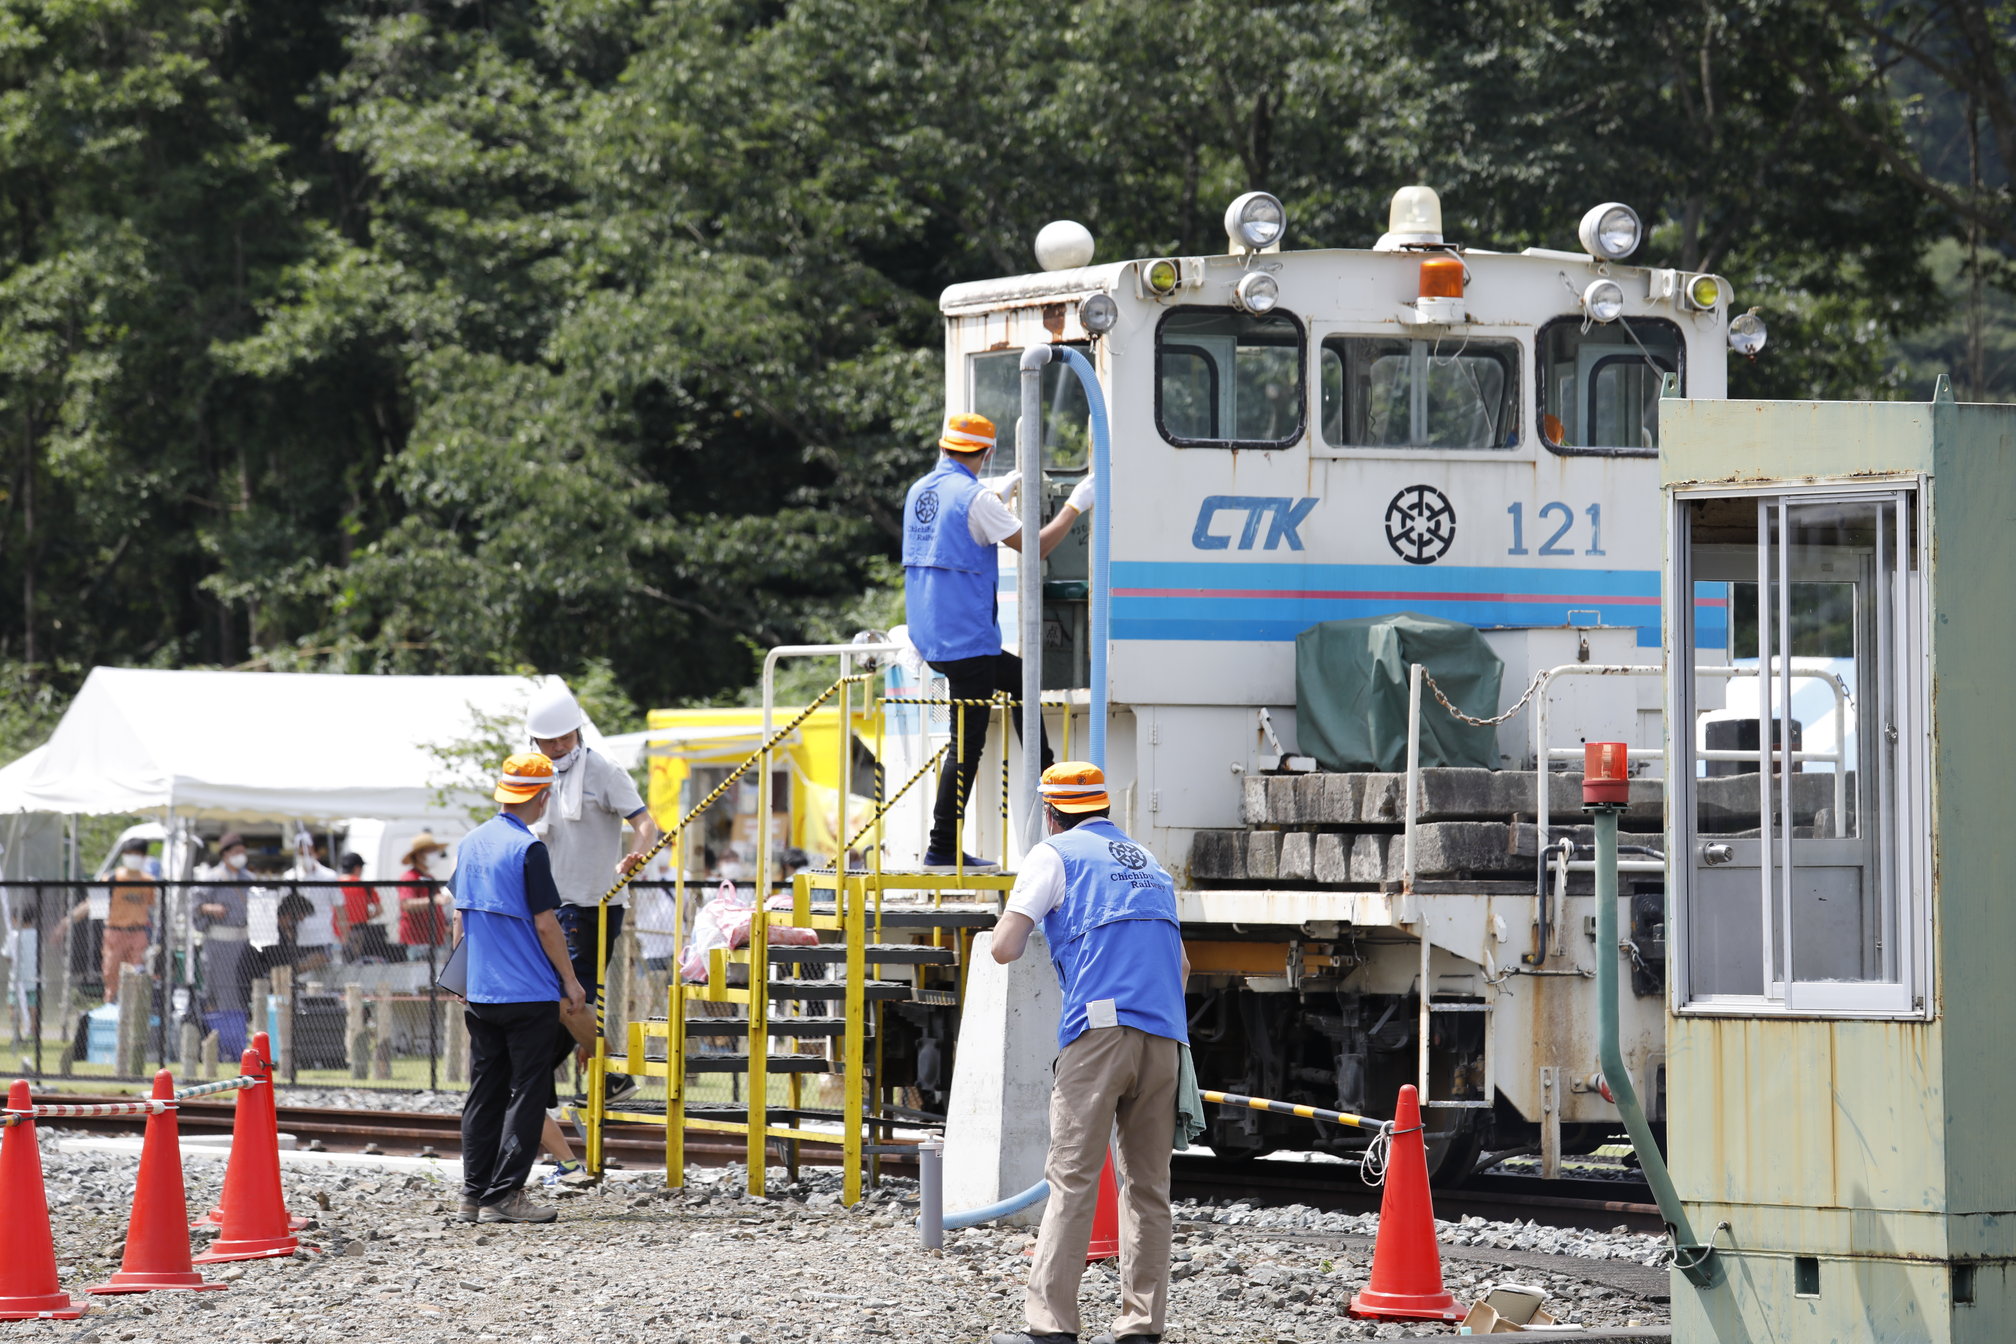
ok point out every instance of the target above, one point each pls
(1081, 495)
(1007, 487)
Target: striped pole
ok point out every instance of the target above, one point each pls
(1290, 1108)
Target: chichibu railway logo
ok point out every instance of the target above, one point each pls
(1420, 524)
(1126, 855)
(927, 506)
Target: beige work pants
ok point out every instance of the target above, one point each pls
(1117, 1083)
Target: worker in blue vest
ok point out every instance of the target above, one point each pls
(952, 522)
(516, 969)
(1108, 912)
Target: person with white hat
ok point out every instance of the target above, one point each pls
(593, 800)
(952, 524)
(517, 970)
(1108, 912)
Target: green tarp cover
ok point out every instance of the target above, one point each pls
(1351, 692)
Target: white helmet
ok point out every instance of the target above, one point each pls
(555, 712)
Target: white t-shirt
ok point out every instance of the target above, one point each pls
(1039, 886)
(584, 851)
(989, 521)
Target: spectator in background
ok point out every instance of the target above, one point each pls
(220, 908)
(289, 950)
(318, 928)
(129, 913)
(362, 936)
(423, 917)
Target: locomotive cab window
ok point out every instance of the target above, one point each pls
(1389, 392)
(1224, 379)
(1599, 383)
(1803, 874)
(996, 392)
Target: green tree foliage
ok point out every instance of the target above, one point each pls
(474, 335)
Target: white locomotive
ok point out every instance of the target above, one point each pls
(1301, 436)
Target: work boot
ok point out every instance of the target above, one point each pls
(517, 1207)
(944, 858)
(470, 1210)
(1024, 1337)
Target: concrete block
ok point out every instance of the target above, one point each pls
(1308, 800)
(1368, 858)
(1297, 863)
(1382, 797)
(1340, 799)
(1218, 855)
(997, 1126)
(1263, 852)
(1332, 860)
(1253, 802)
(1464, 849)
(1468, 794)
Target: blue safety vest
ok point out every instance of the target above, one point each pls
(506, 964)
(949, 579)
(1115, 936)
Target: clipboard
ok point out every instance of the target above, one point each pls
(454, 973)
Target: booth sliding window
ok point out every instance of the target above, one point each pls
(1801, 877)
(1226, 379)
(1395, 392)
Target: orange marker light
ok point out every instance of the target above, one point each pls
(1606, 773)
(1441, 278)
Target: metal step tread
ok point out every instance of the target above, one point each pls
(774, 1063)
(893, 954)
(928, 917)
(873, 990)
(735, 1112)
(778, 1026)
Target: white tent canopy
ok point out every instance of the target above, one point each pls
(255, 746)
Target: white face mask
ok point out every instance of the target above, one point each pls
(235, 862)
(565, 763)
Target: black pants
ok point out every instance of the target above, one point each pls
(510, 1080)
(974, 679)
(580, 923)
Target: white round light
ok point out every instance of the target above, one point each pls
(1257, 292)
(1747, 334)
(1611, 231)
(1063, 245)
(1255, 221)
(1098, 313)
(1603, 300)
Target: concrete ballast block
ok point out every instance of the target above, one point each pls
(1332, 861)
(1297, 863)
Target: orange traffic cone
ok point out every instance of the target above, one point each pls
(157, 1242)
(1406, 1265)
(253, 1213)
(262, 1046)
(28, 1287)
(1105, 1242)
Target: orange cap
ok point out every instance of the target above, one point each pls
(1075, 786)
(524, 775)
(967, 433)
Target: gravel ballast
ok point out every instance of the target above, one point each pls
(632, 1261)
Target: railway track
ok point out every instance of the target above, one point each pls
(1323, 1185)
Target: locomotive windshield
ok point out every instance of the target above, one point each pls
(997, 394)
(1224, 379)
(1599, 383)
(1386, 392)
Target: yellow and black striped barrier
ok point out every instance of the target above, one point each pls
(1290, 1108)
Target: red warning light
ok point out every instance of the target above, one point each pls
(1606, 773)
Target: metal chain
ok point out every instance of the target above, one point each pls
(1538, 678)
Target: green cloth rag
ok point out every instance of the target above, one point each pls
(1189, 1104)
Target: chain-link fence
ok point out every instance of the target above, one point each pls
(109, 980)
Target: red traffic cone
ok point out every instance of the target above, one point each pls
(253, 1213)
(1406, 1264)
(157, 1242)
(262, 1046)
(1105, 1242)
(28, 1287)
